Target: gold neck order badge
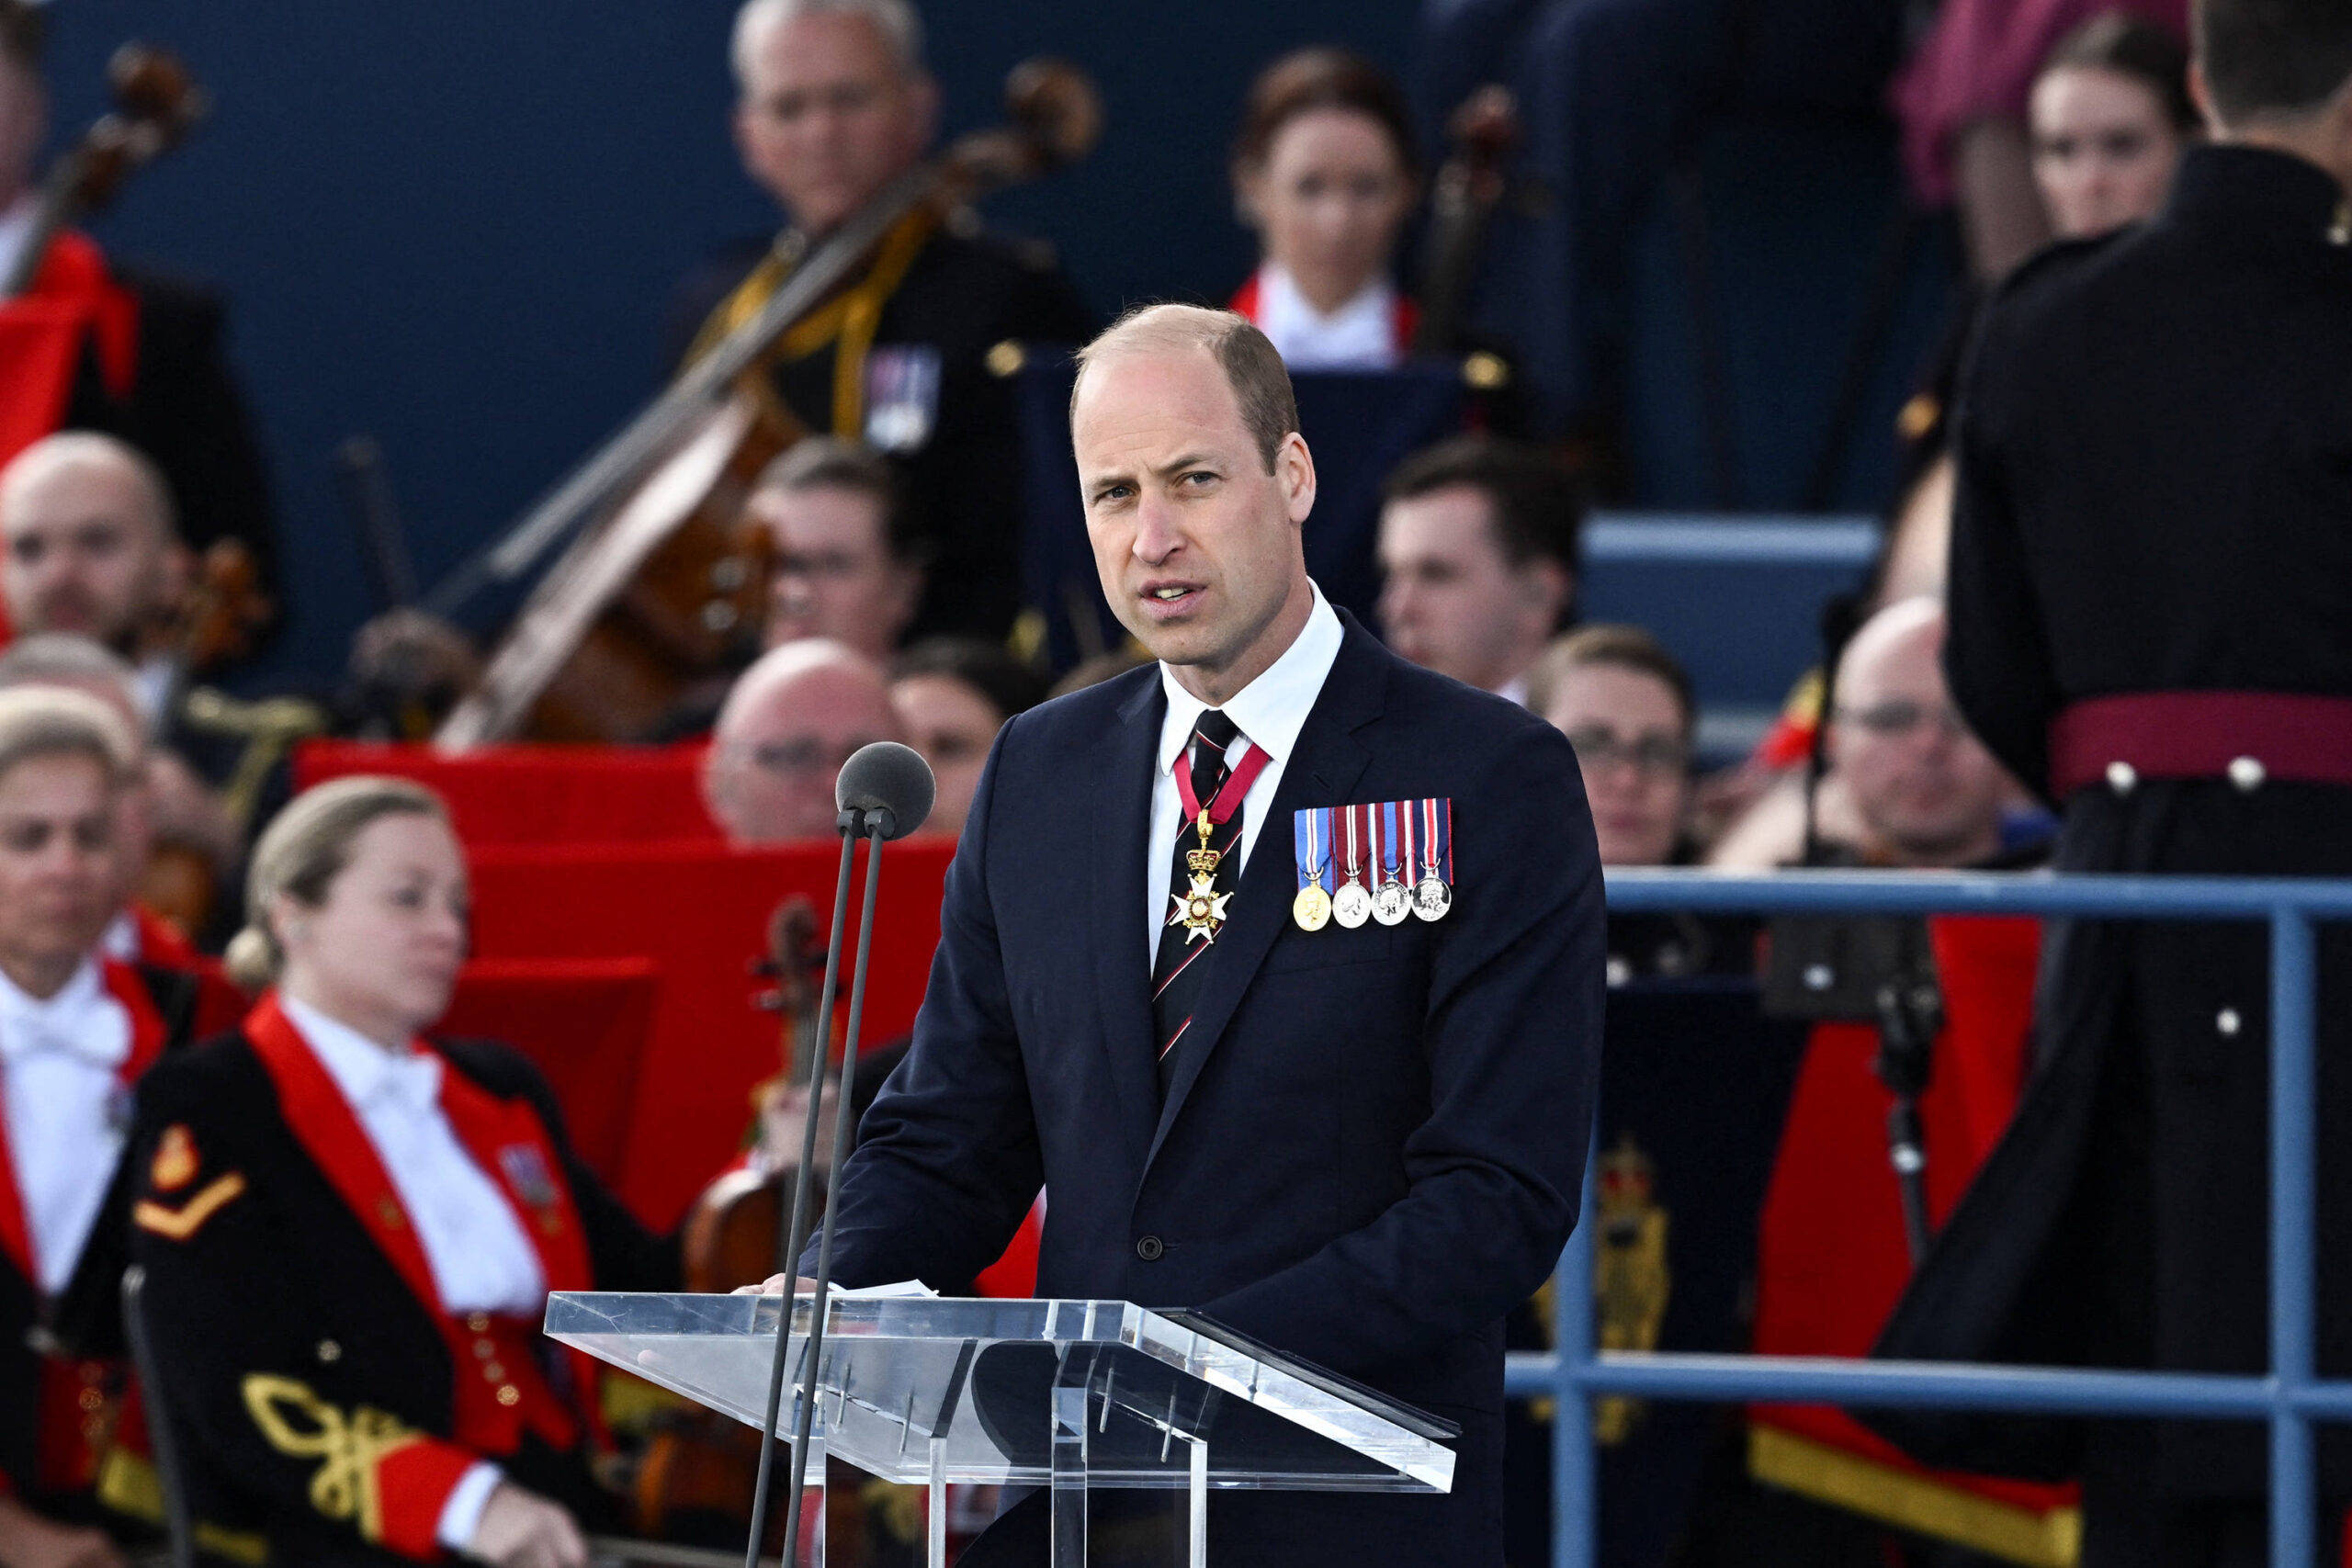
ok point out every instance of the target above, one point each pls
(1200, 908)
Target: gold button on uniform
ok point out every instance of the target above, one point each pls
(509, 1395)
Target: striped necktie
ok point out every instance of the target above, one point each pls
(1183, 960)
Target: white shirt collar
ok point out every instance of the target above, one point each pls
(1515, 689)
(1360, 335)
(361, 1069)
(120, 941)
(1270, 710)
(81, 1017)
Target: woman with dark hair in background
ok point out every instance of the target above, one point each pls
(1326, 171)
(952, 696)
(2109, 117)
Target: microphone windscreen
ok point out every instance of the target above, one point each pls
(887, 776)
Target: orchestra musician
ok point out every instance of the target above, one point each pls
(790, 722)
(1325, 169)
(952, 696)
(1478, 559)
(78, 1028)
(94, 550)
(162, 381)
(1359, 1141)
(834, 104)
(357, 1227)
(848, 563)
(165, 804)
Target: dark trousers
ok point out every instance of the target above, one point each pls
(2129, 1523)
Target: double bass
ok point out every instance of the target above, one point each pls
(660, 587)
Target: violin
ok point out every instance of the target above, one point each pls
(700, 1466)
(1484, 132)
(662, 585)
(214, 622)
(156, 103)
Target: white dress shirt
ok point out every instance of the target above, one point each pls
(1270, 712)
(474, 1241)
(1359, 335)
(59, 1066)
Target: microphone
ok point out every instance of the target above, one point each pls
(884, 792)
(886, 781)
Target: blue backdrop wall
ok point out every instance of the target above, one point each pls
(451, 223)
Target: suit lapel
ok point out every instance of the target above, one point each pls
(1122, 962)
(1329, 761)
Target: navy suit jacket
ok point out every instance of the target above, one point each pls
(1374, 1141)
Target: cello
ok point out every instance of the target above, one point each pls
(661, 586)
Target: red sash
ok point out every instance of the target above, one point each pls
(500, 1392)
(73, 300)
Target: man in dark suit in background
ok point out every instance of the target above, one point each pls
(1358, 1140)
(836, 105)
(2151, 583)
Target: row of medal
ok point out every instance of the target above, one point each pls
(1378, 862)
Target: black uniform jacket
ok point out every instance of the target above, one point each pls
(961, 297)
(325, 1404)
(186, 412)
(1374, 1139)
(2154, 482)
(55, 1446)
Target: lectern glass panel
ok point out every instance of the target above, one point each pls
(916, 1390)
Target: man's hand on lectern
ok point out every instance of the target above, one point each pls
(775, 1285)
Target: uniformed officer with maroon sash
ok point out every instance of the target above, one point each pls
(2151, 621)
(352, 1231)
(77, 1031)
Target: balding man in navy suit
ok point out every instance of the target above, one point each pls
(1350, 1122)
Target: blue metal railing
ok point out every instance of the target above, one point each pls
(2289, 1399)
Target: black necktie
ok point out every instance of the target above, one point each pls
(1183, 960)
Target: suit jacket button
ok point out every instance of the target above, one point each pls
(1149, 1248)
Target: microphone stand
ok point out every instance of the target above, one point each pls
(875, 826)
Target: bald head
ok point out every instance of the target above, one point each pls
(1253, 367)
(790, 722)
(91, 546)
(1929, 793)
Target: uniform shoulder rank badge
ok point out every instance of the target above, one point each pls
(1386, 862)
(175, 1165)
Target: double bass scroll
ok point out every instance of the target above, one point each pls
(156, 104)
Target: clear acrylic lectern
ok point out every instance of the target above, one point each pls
(1066, 1394)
